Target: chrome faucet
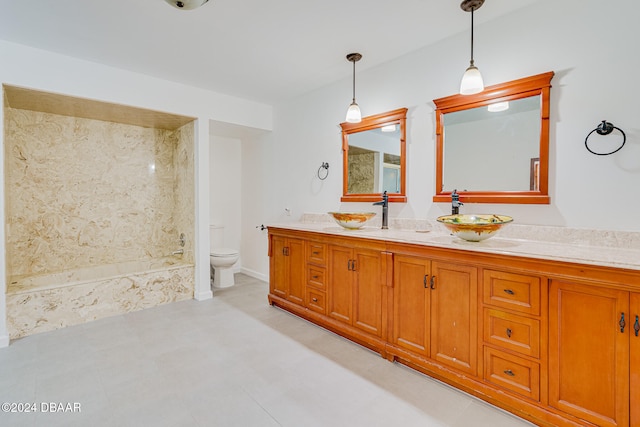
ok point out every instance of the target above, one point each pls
(385, 209)
(455, 203)
(178, 252)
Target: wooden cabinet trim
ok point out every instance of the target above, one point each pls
(578, 314)
(516, 333)
(316, 276)
(517, 292)
(513, 373)
(541, 402)
(316, 253)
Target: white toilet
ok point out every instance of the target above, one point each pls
(222, 259)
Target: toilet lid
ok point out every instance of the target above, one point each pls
(223, 252)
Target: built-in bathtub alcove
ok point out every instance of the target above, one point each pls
(96, 197)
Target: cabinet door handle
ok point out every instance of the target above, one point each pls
(350, 265)
(509, 332)
(426, 286)
(314, 299)
(353, 265)
(622, 322)
(433, 282)
(509, 372)
(509, 291)
(285, 251)
(636, 326)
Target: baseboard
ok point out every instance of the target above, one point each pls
(204, 295)
(255, 274)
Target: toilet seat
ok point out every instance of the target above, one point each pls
(223, 252)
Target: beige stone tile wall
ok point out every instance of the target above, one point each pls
(82, 192)
(184, 190)
(45, 310)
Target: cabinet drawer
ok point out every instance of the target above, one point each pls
(317, 253)
(316, 276)
(512, 332)
(316, 301)
(513, 373)
(512, 291)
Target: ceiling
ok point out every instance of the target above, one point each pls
(263, 50)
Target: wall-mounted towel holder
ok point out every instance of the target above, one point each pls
(605, 128)
(323, 175)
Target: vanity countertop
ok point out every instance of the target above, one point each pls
(584, 253)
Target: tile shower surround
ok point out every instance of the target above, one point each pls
(83, 192)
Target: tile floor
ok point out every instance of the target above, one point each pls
(229, 361)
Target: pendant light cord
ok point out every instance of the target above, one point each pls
(354, 81)
(472, 9)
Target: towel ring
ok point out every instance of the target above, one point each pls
(605, 128)
(324, 166)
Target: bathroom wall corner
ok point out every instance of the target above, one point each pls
(202, 290)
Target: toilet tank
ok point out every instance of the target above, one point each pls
(216, 236)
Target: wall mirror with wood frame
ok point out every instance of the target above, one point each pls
(493, 147)
(374, 158)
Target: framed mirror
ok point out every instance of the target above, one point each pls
(374, 158)
(493, 147)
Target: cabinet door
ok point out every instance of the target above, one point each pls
(297, 271)
(634, 331)
(454, 316)
(340, 283)
(411, 300)
(588, 354)
(278, 267)
(367, 287)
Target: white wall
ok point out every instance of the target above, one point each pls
(594, 55)
(225, 178)
(257, 196)
(46, 71)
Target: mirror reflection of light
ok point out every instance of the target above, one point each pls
(498, 106)
(388, 128)
(152, 168)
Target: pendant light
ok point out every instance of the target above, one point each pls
(353, 113)
(472, 79)
(186, 4)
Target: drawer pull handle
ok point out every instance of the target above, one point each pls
(509, 332)
(622, 322)
(316, 253)
(314, 277)
(509, 372)
(509, 291)
(636, 326)
(314, 299)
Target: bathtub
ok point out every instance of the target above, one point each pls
(46, 302)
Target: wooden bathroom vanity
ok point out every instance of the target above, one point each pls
(549, 339)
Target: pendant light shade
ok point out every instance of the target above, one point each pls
(472, 79)
(186, 4)
(353, 113)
